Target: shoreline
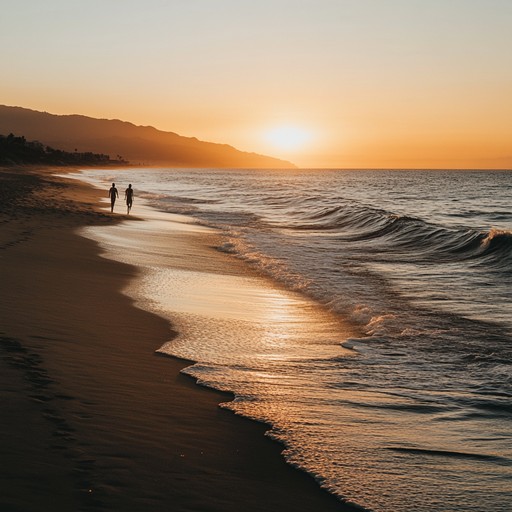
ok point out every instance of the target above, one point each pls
(94, 419)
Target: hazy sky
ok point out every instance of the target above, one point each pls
(336, 83)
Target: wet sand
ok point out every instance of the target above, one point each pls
(92, 418)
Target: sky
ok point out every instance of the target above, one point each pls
(322, 83)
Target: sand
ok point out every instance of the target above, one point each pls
(92, 417)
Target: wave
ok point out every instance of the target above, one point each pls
(390, 233)
(450, 453)
(497, 242)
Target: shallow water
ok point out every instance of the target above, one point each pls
(414, 412)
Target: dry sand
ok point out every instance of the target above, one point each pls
(92, 418)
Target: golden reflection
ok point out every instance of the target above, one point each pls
(221, 316)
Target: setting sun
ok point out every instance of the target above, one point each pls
(288, 137)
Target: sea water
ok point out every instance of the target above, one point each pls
(412, 413)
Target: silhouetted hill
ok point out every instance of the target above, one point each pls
(138, 144)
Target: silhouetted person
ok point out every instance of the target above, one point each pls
(128, 195)
(113, 194)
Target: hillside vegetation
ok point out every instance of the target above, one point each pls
(17, 150)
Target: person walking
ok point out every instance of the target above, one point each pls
(113, 194)
(128, 196)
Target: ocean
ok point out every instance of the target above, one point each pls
(412, 411)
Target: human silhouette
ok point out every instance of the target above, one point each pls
(128, 196)
(113, 194)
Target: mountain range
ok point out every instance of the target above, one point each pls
(140, 145)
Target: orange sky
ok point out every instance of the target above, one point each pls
(323, 83)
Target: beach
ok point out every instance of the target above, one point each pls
(93, 418)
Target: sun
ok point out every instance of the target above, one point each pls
(288, 137)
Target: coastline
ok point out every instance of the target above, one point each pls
(94, 419)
